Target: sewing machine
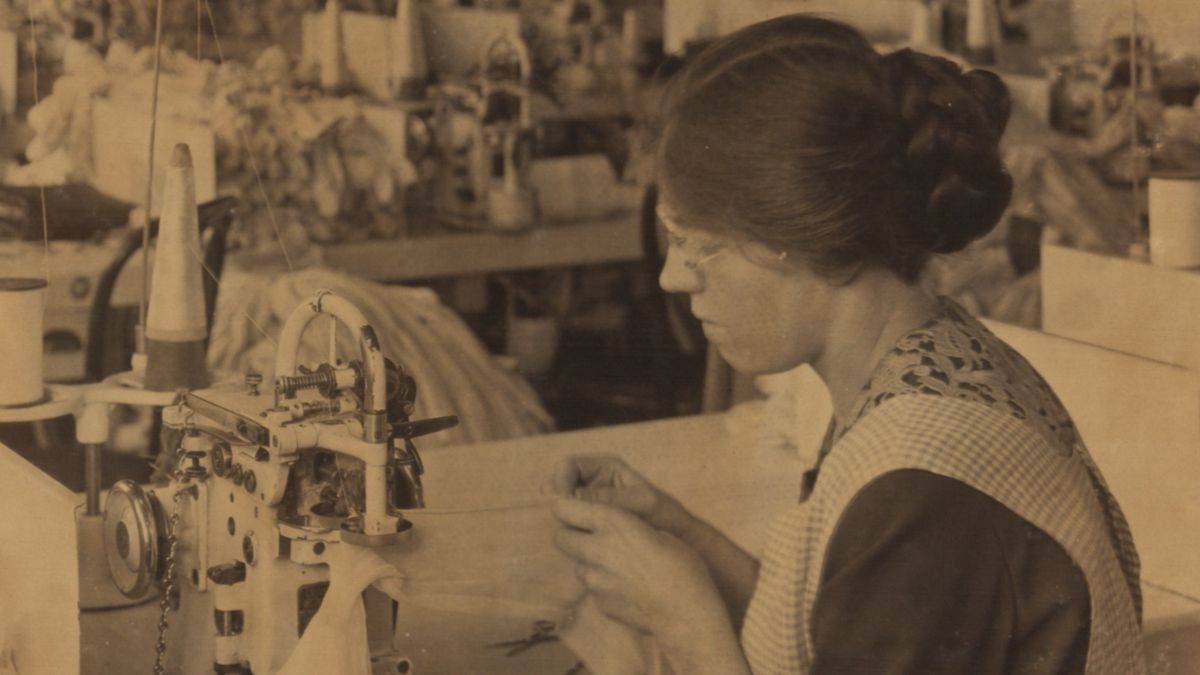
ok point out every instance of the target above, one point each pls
(264, 484)
(483, 137)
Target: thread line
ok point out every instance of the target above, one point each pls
(33, 31)
(145, 299)
(262, 188)
(1135, 147)
(212, 275)
(1171, 591)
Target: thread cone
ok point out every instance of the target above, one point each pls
(175, 320)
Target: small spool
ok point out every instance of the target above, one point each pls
(926, 26)
(980, 42)
(1174, 200)
(409, 66)
(332, 58)
(22, 304)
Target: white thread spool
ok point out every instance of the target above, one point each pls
(332, 60)
(409, 66)
(926, 27)
(22, 301)
(981, 25)
(1175, 219)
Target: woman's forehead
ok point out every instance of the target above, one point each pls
(676, 226)
(674, 218)
(668, 216)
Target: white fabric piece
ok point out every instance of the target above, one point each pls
(336, 639)
(498, 563)
(783, 417)
(495, 562)
(610, 648)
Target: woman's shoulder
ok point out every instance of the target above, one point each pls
(956, 357)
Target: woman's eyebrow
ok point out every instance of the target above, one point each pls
(670, 220)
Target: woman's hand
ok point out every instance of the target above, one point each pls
(608, 480)
(647, 579)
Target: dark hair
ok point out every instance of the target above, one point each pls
(796, 132)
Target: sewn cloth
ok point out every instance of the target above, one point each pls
(499, 563)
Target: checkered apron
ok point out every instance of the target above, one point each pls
(993, 452)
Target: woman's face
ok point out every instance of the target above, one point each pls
(763, 314)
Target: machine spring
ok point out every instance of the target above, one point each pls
(311, 408)
(288, 385)
(164, 604)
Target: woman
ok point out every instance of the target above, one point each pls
(954, 523)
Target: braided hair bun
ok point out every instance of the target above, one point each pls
(798, 134)
(951, 164)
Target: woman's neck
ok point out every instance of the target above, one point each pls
(878, 310)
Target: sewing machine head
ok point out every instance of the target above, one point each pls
(265, 482)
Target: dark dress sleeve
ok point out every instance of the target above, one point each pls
(925, 574)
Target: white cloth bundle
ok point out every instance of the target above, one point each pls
(784, 418)
(498, 563)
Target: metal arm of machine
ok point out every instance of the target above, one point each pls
(372, 449)
(375, 429)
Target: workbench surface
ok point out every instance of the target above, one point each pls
(736, 487)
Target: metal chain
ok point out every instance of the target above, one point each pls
(164, 604)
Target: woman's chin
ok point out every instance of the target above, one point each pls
(740, 361)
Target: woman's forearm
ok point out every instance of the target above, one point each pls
(709, 646)
(733, 570)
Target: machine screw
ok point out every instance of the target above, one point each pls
(220, 459)
(227, 574)
(253, 379)
(196, 470)
(249, 481)
(248, 548)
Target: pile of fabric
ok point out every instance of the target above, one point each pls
(455, 374)
(292, 154)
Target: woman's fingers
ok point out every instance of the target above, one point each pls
(582, 472)
(577, 544)
(589, 515)
(583, 573)
(564, 478)
(598, 534)
(577, 513)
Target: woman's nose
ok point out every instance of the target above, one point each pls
(676, 277)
